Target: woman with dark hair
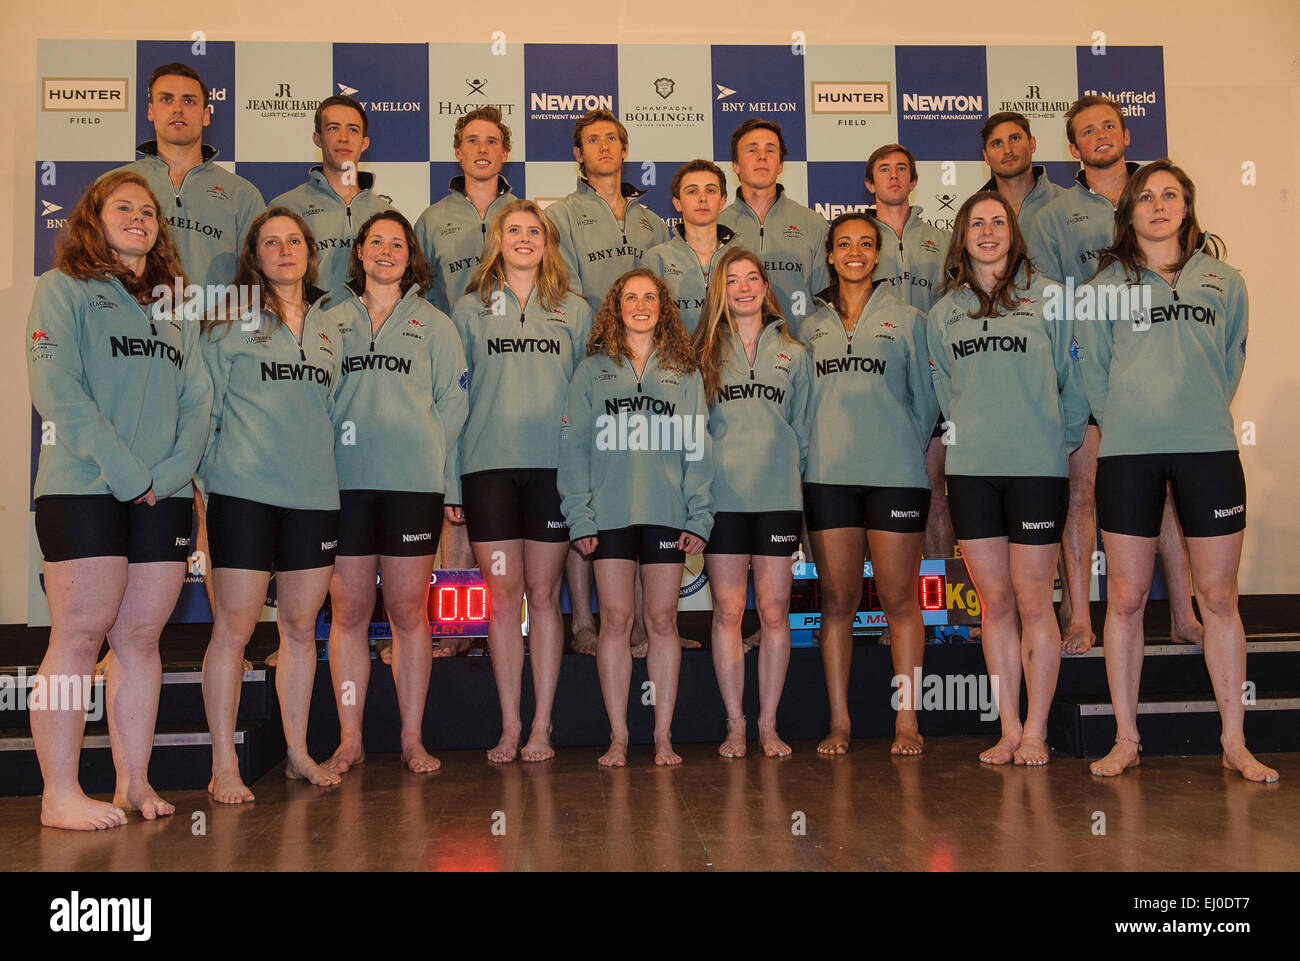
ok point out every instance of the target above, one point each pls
(115, 375)
(398, 415)
(757, 379)
(1015, 409)
(519, 298)
(1161, 363)
(634, 474)
(272, 491)
(865, 484)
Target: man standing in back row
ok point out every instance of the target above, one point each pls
(1064, 241)
(1008, 149)
(789, 238)
(337, 197)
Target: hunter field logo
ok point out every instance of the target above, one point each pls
(84, 94)
(861, 97)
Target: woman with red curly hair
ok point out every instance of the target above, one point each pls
(116, 376)
(634, 474)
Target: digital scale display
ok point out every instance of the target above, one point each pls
(458, 607)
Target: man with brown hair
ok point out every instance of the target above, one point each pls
(1008, 149)
(337, 197)
(452, 231)
(911, 250)
(1064, 241)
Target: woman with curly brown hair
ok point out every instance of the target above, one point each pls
(398, 414)
(116, 377)
(635, 472)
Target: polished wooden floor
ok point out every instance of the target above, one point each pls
(861, 812)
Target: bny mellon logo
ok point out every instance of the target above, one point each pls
(723, 92)
(49, 208)
(346, 90)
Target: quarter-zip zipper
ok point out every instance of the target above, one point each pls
(621, 225)
(757, 346)
(643, 369)
(375, 333)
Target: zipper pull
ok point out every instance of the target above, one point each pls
(372, 343)
(178, 201)
(302, 353)
(850, 347)
(1175, 290)
(521, 318)
(152, 328)
(638, 386)
(751, 373)
(348, 208)
(986, 323)
(484, 226)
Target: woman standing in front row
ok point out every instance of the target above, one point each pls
(865, 484)
(398, 415)
(1161, 389)
(524, 332)
(1007, 383)
(124, 406)
(272, 493)
(635, 470)
(758, 380)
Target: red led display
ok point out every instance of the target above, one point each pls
(462, 602)
(932, 592)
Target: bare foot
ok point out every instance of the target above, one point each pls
(227, 788)
(506, 750)
(884, 639)
(101, 669)
(751, 642)
(836, 742)
(1078, 640)
(538, 747)
(734, 745)
(1003, 752)
(272, 660)
(384, 648)
(1192, 633)
(773, 746)
(345, 758)
(665, 756)
(1244, 763)
(451, 646)
(305, 769)
(639, 636)
(907, 742)
(418, 760)
(584, 640)
(687, 643)
(642, 649)
(246, 665)
(616, 756)
(1122, 756)
(76, 812)
(143, 799)
(1032, 752)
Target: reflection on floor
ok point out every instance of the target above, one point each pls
(864, 811)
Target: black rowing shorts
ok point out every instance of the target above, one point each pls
(767, 534)
(648, 544)
(247, 535)
(390, 523)
(72, 526)
(1027, 510)
(1209, 493)
(509, 505)
(902, 510)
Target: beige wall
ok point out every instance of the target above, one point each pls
(1231, 77)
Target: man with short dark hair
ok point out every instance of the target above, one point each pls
(1008, 149)
(1064, 241)
(604, 229)
(911, 250)
(452, 232)
(208, 208)
(699, 189)
(789, 238)
(338, 196)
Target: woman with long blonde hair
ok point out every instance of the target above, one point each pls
(635, 471)
(758, 381)
(524, 333)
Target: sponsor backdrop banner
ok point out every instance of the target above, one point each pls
(835, 105)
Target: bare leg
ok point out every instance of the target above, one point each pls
(543, 567)
(989, 561)
(640, 641)
(84, 596)
(577, 572)
(896, 561)
(134, 684)
(201, 548)
(406, 599)
(1214, 566)
(728, 584)
(614, 579)
(502, 564)
(838, 554)
(1033, 567)
(773, 579)
(939, 537)
(662, 584)
(1129, 562)
(240, 595)
(352, 603)
(1184, 628)
(456, 555)
(1077, 544)
(299, 596)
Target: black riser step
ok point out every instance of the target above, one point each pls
(181, 759)
(1173, 726)
(179, 702)
(1272, 663)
